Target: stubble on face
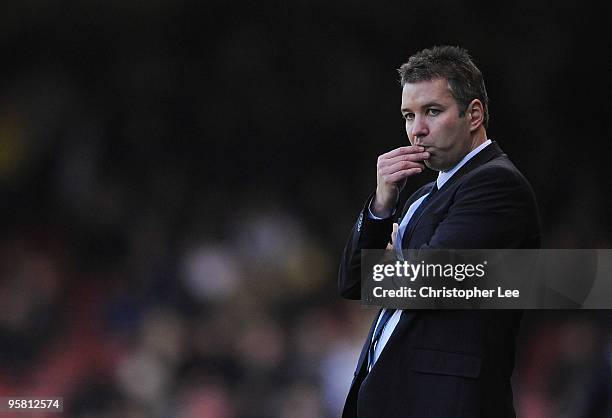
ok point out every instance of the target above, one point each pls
(448, 136)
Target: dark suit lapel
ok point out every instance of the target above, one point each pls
(417, 214)
(413, 198)
(366, 346)
(406, 320)
(487, 154)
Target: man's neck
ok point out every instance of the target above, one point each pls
(478, 137)
(445, 175)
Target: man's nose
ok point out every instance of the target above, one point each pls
(419, 130)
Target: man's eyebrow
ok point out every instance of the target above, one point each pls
(425, 106)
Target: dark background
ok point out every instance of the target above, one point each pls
(177, 179)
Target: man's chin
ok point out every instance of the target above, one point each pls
(431, 165)
(436, 164)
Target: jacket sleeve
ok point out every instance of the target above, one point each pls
(367, 233)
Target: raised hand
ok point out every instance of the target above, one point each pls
(392, 170)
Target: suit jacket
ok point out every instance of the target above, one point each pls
(446, 363)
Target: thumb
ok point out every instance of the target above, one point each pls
(394, 233)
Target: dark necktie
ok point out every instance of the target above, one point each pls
(416, 214)
(377, 333)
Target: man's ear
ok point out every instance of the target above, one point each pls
(475, 113)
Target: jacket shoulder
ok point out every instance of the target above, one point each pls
(498, 170)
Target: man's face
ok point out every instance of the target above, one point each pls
(433, 121)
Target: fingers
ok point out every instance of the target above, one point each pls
(400, 160)
(419, 156)
(392, 170)
(391, 245)
(410, 149)
(399, 171)
(400, 165)
(400, 175)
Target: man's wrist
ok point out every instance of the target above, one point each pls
(377, 211)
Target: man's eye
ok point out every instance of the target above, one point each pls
(433, 112)
(409, 116)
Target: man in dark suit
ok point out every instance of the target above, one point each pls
(440, 363)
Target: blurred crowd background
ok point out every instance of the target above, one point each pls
(178, 178)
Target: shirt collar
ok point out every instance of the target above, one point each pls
(443, 176)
